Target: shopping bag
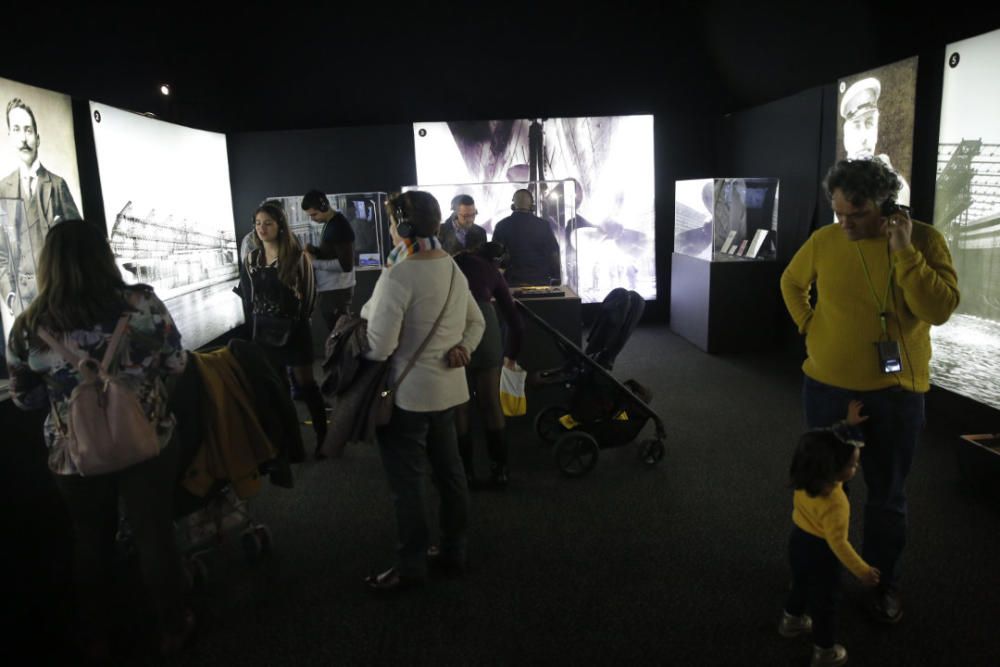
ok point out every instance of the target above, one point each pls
(512, 398)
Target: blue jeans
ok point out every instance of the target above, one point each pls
(408, 443)
(895, 417)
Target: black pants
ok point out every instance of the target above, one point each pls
(146, 491)
(411, 443)
(815, 584)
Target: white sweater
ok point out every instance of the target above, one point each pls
(408, 297)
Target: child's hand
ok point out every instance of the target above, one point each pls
(872, 578)
(854, 413)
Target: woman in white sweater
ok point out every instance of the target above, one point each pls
(421, 284)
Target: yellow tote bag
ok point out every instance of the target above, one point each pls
(512, 398)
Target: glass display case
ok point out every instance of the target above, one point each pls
(726, 219)
(365, 211)
(595, 258)
(493, 204)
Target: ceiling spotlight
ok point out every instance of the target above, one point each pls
(165, 89)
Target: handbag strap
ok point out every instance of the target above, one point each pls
(75, 357)
(413, 359)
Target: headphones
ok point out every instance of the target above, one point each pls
(403, 226)
(324, 204)
(889, 207)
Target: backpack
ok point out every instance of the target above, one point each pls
(108, 429)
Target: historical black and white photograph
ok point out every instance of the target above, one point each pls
(169, 214)
(875, 118)
(609, 160)
(967, 212)
(38, 169)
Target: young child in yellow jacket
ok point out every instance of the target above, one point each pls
(818, 546)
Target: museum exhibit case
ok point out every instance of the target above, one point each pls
(726, 219)
(365, 211)
(723, 273)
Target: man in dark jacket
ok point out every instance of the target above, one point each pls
(533, 249)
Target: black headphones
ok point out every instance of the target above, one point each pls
(403, 226)
(324, 204)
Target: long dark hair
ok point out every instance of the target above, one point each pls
(79, 283)
(289, 250)
(818, 460)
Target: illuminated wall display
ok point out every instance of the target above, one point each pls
(38, 170)
(170, 217)
(967, 212)
(875, 112)
(609, 159)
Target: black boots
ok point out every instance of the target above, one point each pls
(496, 445)
(313, 399)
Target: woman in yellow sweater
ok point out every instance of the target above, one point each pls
(818, 546)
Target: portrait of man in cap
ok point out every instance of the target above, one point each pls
(885, 96)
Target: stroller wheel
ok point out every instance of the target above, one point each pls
(651, 451)
(547, 425)
(576, 453)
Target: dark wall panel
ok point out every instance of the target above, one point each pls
(349, 159)
(685, 149)
(785, 139)
(782, 139)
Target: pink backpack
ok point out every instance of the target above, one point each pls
(108, 429)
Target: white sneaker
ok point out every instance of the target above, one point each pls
(793, 626)
(829, 657)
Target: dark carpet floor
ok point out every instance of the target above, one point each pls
(681, 564)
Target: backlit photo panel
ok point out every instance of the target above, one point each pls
(609, 159)
(967, 212)
(40, 184)
(169, 215)
(875, 118)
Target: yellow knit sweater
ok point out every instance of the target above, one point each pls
(828, 517)
(841, 331)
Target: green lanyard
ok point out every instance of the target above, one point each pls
(888, 285)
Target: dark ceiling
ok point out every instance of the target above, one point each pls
(270, 67)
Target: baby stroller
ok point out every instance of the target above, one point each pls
(202, 530)
(602, 412)
(214, 507)
(205, 519)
